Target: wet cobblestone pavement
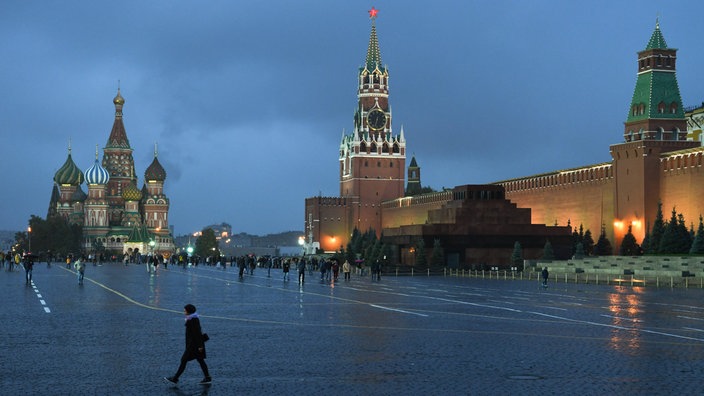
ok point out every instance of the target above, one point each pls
(122, 331)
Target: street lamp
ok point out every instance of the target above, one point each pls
(29, 236)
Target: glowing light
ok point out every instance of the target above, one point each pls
(636, 223)
(373, 12)
(301, 240)
(618, 224)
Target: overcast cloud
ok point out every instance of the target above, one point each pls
(248, 100)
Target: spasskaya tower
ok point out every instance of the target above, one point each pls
(372, 159)
(372, 162)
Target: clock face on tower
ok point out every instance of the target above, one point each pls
(376, 119)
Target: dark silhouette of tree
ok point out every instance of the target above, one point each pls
(517, 255)
(588, 243)
(657, 232)
(438, 255)
(675, 239)
(698, 243)
(579, 251)
(629, 246)
(548, 253)
(421, 260)
(206, 244)
(603, 246)
(645, 245)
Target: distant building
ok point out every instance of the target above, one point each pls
(115, 214)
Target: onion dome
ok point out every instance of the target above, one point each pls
(69, 172)
(96, 174)
(131, 193)
(118, 100)
(155, 172)
(78, 195)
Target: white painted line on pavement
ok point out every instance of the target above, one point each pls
(397, 310)
(693, 329)
(622, 318)
(39, 296)
(689, 317)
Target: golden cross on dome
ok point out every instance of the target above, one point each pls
(373, 12)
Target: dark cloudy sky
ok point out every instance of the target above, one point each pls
(248, 100)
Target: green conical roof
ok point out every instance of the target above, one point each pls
(414, 164)
(139, 234)
(657, 41)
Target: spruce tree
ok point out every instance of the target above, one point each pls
(438, 257)
(603, 246)
(657, 232)
(684, 237)
(517, 255)
(629, 246)
(645, 244)
(420, 253)
(548, 253)
(579, 251)
(588, 243)
(698, 243)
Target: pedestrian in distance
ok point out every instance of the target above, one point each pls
(286, 268)
(301, 270)
(544, 275)
(195, 346)
(346, 269)
(80, 267)
(28, 267)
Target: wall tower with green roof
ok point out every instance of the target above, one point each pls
(656, 124)
(656, 111)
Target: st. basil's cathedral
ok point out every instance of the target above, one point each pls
(116, 215)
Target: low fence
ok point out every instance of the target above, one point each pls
(577, 278)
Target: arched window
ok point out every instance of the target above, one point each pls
(641, 109)
(673, 108)
(661, 108)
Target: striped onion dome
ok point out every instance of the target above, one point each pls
(96, 174)
(131, 193)
(69, 172)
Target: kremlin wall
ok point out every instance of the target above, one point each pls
(659, 160)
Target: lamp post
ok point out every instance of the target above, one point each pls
(29, 237)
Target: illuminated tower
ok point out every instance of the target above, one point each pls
(372, 159)
(656, 124)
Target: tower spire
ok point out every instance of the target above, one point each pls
(373, 53)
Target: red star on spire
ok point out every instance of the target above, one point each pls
(373, 12)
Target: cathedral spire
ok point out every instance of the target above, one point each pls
(118, 136)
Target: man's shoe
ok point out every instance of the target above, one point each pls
(171, 380)
(206, 381)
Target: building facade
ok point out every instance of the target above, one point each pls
(116, 216)
(659, 160)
